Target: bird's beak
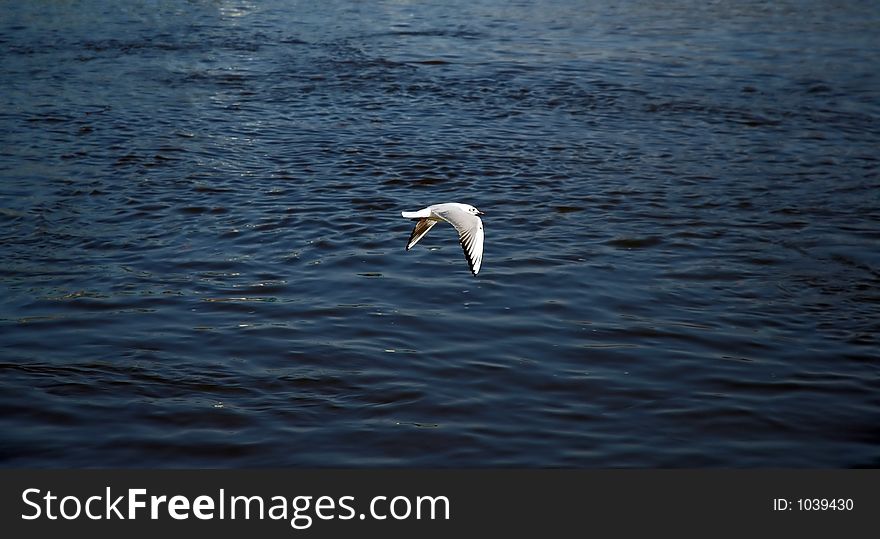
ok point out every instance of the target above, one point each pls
(480, 213)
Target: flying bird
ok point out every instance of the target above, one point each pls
(464, 217)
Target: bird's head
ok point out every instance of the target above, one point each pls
(472, 210)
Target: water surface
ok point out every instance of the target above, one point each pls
(203, 256)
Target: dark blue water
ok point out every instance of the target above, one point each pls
(203, 256)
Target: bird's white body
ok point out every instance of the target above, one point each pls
(464, 217)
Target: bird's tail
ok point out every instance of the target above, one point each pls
(421, 214)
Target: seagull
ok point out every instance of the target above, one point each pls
(463, 217)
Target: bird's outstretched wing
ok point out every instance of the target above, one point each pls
(470, 235)
(422, 227)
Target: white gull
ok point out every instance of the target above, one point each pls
(464, 217)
